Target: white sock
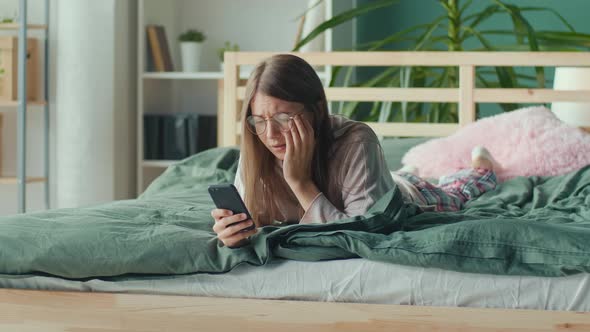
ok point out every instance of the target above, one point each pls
(480, 151)
(409, 169)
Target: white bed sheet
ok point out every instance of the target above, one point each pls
(352, 280)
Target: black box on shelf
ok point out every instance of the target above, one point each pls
(178, 135)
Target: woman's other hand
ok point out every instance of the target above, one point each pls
(300, 145)
(229, 227)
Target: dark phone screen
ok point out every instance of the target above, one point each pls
(226, 196)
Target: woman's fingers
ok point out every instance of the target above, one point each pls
(233, 230)
(217, 214)
(222, 223)
(239, 239)
(308, 127)
(289, 142)
(296, 134)
(226, 221)
(300, 128)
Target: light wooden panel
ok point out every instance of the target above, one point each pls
(68, 311)
(450, 95)
(529, 95)
(230, 104)
(466, 99)
(384, 94)
(440, 59)
(413, 129)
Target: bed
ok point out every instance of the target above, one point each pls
(295, 279)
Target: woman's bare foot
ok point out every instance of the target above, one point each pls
(482, 158)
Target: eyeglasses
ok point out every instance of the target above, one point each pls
(257, 124)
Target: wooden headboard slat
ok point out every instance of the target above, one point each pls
(433, 59)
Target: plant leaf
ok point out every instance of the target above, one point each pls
(521, 24)
(396, 37)
(551, 10)
(482, 16)
(343, 17)
(317, 3)
(426, 35)
(464, 7)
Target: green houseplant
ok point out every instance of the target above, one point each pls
(227, 47)
(192, 35)
(456, 29)
(190, 49)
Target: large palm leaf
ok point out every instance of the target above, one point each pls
(451, 31)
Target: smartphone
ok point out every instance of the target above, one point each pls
(226, 196)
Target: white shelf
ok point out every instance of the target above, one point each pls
(14, 103)
(14, 180)
(158, 163)
(16, 26)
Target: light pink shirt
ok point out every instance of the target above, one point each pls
(357, 160)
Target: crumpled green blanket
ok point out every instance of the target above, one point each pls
(528, 226)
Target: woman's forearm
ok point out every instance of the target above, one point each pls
(305, 192)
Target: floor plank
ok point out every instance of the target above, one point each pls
(27, 310)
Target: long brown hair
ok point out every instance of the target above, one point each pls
(290, 78)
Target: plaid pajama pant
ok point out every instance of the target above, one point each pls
(455, 190)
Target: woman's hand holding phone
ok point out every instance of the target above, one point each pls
(230, 227)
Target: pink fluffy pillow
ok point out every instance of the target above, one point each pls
(529, 141)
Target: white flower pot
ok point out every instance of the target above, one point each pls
(314, 17)
(190, 54)
(572, 78)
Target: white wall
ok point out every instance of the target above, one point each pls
(95, 101)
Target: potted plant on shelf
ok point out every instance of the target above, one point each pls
(227, 47)
(190, 49)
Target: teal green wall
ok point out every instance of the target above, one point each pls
(382, 23)
(407, 13)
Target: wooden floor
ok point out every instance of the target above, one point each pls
(25, 310)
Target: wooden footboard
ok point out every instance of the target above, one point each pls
(26, 310)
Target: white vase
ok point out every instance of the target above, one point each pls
(190, 54)
(313, 18)
(572, 78)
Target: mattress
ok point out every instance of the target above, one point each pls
(351, 280)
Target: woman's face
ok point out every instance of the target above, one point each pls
(266, 108)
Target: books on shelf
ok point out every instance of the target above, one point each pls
(178, 135)
(158, 55)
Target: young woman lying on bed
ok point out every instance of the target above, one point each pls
(299, 164)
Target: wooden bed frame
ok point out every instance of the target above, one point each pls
(26, 310)
(466, 95)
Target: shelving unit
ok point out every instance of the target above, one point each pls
(240, 22)
(21, 179)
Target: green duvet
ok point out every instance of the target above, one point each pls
(528, 226)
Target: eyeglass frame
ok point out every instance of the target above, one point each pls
(266, 119)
